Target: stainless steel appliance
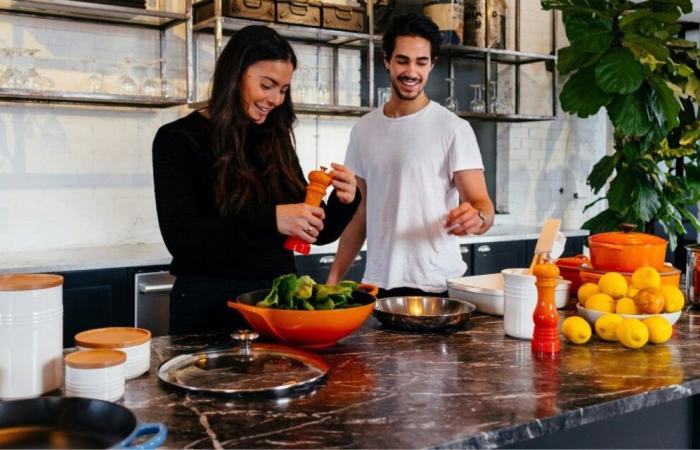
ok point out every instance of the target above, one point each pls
(152, 301)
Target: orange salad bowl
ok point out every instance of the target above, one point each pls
(312, 329)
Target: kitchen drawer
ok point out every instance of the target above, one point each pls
(247, 9)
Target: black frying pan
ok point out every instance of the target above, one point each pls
(72, 422)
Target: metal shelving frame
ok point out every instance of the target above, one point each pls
(79, 11)
(335, 39)
(516, 58)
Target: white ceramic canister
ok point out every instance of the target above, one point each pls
(95, 374)
(519, 302)
(31, 335)
(135, 342)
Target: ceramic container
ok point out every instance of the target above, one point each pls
(626, 251)
(519, 302)
(135, 342)
(95, 374)
(31, 335)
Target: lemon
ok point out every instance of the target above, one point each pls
(632, 291)
(646, 277)
(601, 302)
(674, 298)
(632, 333)
(606, 326)
(585, 291)
(626, 306)
(660, 330)
(613, 284)
(576, 330)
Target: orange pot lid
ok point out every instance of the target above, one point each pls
(112, 337)
(626, 238)
(29, 281)
(95, 359)
(571, 261)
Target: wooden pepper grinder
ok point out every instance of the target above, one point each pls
(545, 338)
(319, 181)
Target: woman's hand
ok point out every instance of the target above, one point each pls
(300, 220)
(344, 182)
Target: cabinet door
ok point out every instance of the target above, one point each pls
(574, 246)
(496, 256)
(318, 266)
(94, 299)
(467, 250)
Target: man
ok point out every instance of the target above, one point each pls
(414, 160)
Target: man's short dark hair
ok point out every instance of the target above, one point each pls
(411, 24)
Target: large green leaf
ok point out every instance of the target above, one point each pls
(690, 217)
(650, 45)
(581, 95)
(622, 190)
(618, 72)
(630, 20)
(685, 6)
(665, 101)
(692, 179)
(588, 33)
(646, 201)
(570, 59)
(629, 115)
(600, 172)
(691, 135)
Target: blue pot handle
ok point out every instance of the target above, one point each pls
(159, 431)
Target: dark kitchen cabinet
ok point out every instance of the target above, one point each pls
(466, 250)
(318, 266)
(94, 299)
(493, 257)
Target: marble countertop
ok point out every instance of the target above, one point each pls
(154, 254)
(389, 389)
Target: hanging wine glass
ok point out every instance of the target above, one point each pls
(477, 103)
(10, 77)
(324, 92)
(94, 81)
(30, 78)
(127, 85)
(451, 101)
(151, 86)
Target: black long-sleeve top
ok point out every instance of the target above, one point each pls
(245, 245)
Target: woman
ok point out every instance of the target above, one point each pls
(229, 188)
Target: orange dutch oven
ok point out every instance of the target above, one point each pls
(626, 251)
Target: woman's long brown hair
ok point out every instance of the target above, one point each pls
(254, 163)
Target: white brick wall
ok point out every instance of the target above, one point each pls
(80, 176)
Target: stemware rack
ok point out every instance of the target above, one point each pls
(219, 25)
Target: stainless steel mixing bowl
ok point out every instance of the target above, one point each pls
(422, 313)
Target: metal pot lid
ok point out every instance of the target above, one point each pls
(249, 368)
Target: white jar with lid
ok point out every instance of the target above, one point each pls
(31, 335)
(519, 302)
(135, 342)
(95, 374)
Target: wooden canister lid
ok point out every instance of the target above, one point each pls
(29, 281)
(112, 337)
(95, 359)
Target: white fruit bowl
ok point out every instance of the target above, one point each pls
(591, 315)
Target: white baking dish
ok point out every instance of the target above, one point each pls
(486, 292)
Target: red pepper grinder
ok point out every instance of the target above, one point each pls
(319, 181)
(545, 338)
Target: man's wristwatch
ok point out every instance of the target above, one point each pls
(482, 217)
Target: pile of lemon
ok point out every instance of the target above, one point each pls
(612, 295)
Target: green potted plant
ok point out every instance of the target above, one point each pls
(628, 58)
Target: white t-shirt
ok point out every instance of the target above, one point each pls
(408, 163)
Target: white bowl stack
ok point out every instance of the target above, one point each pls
(95, 374)
(134, 342)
